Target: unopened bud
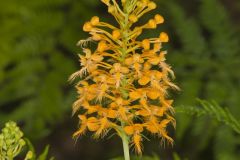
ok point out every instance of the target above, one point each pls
(163, 37)
(96, 37)
(159, 19)
(133, 18)
(146, 44)
(102, 46)
(116, 34)
(29, 155)
(145, 2)
(94, 20)
(157, 47)
(152, 5)
(87, 27)
(22, 142)
(152, 23)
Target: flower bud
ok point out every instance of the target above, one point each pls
(102, 46)
(159, 19)
(29, 155)
(87, 27)
(152, 5)
(157, 47)
(146, 44)
(152, 24)
(96, 37)
(116, 34)
(94, 20)
(145, 2)
(163, 37)
(133, 18)
(22, 142)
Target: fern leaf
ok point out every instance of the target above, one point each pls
(213, 110)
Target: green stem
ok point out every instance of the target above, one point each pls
(125, 30)
(125, 147)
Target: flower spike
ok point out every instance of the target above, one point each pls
(125, 80)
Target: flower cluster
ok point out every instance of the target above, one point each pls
(12, 142)
(124, 81)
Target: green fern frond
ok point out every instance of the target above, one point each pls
(213, 110)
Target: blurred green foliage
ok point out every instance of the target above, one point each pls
(36, 57)
(37, 45)
(206, 52)
(213, 110)
(205, 55)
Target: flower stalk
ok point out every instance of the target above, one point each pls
(125, 142)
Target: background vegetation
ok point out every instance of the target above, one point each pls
(38, 53)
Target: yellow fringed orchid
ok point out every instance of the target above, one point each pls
(125, 80)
